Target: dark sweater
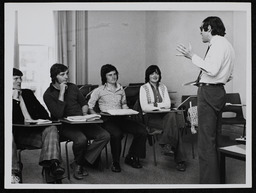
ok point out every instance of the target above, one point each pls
(72, 105)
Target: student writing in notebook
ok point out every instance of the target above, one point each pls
(110, 95)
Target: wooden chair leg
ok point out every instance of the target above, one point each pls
(125, 144)
(67, 158)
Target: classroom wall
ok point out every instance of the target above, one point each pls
(118, 38)
(133, 40)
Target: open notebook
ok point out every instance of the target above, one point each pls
(90, 117)
(121, 112)
(38, 121)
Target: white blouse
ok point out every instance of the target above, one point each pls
(147, 97)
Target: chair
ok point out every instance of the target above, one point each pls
(67, 155)
(132, 94)
(152, 135)
(236, 108)
(87, 89)
(21, 148)
(188, 102)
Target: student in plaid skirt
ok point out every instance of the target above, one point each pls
(26, 107)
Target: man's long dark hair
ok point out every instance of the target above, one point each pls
(106, 69)
(216, 24)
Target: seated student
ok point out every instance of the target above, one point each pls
(111, 95)
(26, 108)
(64, 99)
(154, 96)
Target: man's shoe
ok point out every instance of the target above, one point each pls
(85, 173)
(133, 161)
(181, 166)
(168, 150)
(49, 177)
(116, 167)
(77, 171)
(56, 170)
(15, 179)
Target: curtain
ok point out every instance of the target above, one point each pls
(71, 43)
(16, 42)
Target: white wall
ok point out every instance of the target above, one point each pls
(242, 63)
(170, 29)
(118, 38)
(133, 40)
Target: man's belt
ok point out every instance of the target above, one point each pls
(209, 84)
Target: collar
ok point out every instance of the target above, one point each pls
(214, 39)
(52, 88)
(157, 84)
(118, 87)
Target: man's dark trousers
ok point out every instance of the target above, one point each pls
(211, 100)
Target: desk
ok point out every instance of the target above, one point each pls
(81, 122)
(36, 125)
(164, 111)
(233, 151)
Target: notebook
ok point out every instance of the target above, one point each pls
(121, 112)
(90, 117)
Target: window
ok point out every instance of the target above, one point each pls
(36, 48)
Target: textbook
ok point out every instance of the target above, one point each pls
(90, 117)
(38, 121)
(121, 112)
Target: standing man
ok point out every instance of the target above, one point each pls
(26, 107)
(216, 71)
(64, 99)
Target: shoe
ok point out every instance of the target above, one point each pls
(133, 161)
(56, 170)
(77, 171)
(15, 179)
(49, 177)
(168, 150)
(181, 166)
(85, 173)
(116, 167)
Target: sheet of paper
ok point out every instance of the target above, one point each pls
(122, 112)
